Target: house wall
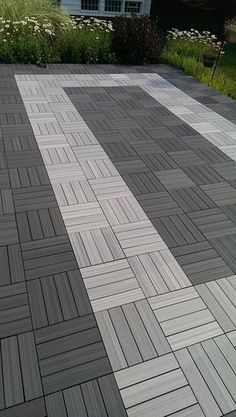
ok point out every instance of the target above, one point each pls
(73, 7)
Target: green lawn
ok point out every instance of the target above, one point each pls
(228, 62)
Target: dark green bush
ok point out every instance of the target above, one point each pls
(136, 40)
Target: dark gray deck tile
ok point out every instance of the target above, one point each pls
(74, 401)
(143, 183)
(55, 405)
(15, 130)
(213, 223)
(171, 144)
(158, 204)
(12, 378)
(12, 264)
(134, 135)
(39, 224)
(29, 366)
(146, 148)
(93, 399)
(212, 155)
(28, 176)
(130, 166)
(196, 142)
(182, 130)
(23, 159)
(119, 151)
(34, 408)
(34, 198)
(159, 162)
(111, 396)
(191, 199)
(223, 194)
(65, 328)
(8, 230)
(4, 179)
(204, 174)
(186, 158)
(227, 170)
(226, 247)
(48, 256)
(76, 375)
(174, 179)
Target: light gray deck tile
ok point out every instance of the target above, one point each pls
(87, 250)
(65, 172)
(165, 404)
(113, 348)
(122, 210)
(197, 383)
(232, 337)
(153, 387)
(82, 217)
(100, 168)
(222, 366)
(138, 238)
(108, 188)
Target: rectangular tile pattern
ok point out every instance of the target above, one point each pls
(143, 163)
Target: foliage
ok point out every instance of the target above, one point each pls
(87, 41)
(194, 43)
(136, 40)
(185, 51)
(40, 32)
(18, 9)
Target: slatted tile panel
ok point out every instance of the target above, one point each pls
(184, 317)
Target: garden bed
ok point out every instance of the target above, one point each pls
(185, 50)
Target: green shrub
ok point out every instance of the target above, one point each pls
(18, 9)
(136, 40)
(40, 32)
(191, 66)
(86, 41)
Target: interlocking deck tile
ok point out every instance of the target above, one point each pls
(20, 369)
(213, 223)
(47, 256)
(174, 178)
(201, 262)
(155, 384)
(15, 312)
(131, 334)
(184, 318)
(220, 298)
(211, 377)
(11, 265)
(111, 284)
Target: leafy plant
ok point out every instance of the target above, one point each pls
(136, 40)
(193, 66)
(48, 35)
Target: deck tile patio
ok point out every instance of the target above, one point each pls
(117, 243)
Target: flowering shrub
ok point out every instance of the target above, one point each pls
(37, 40)
(136, 40)
(194, 43)
(86, 40)
(186, 49)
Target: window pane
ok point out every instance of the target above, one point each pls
(132, 7)
(89, 4)
(113, 6)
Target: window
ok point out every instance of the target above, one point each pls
(132, 7)
(112, 6)
(89, 4)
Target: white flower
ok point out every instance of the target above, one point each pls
(4, 40)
